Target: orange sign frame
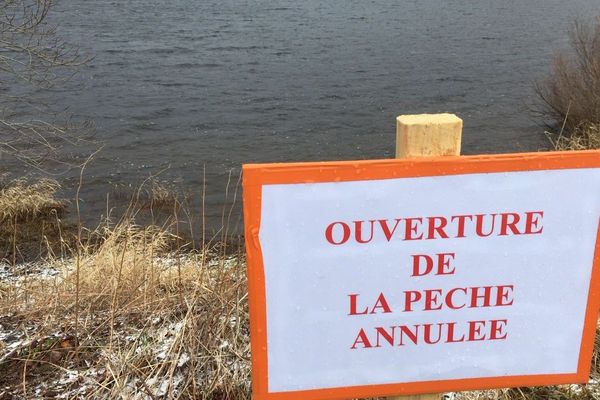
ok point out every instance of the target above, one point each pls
(255, 176)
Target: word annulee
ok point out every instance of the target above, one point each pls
(435, 227)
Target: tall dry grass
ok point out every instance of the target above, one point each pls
(132, 312)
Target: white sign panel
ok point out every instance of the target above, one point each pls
(409, 284)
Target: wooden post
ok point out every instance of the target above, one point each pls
(427, 135)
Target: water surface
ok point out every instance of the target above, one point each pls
(211, 84)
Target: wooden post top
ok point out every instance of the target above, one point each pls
(424, 119)
(428, 135)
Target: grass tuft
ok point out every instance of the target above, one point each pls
(30, 221)
(582, 137)
(22, 200)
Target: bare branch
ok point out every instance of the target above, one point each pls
(570, 95)
(32, 54)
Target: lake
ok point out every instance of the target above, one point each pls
(195, 86)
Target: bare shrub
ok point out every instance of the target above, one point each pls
(570, 95)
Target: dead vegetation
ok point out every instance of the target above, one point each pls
(570, 95)
(137, 323)
(582, 137)
(30, 220)
(22, 200)
(127, 313)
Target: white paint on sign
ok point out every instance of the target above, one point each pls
(309, 280)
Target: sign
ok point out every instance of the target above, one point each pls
(374, 278)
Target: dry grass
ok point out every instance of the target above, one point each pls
(128, 315)
(30, 220)
(152, 194)
(582, 137)
(139, 322)
(23, 200)
(161, 195)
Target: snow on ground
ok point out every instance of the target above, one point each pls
(68, 377)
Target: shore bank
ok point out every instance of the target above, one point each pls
(188, 339)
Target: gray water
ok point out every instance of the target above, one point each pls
(211, 84)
